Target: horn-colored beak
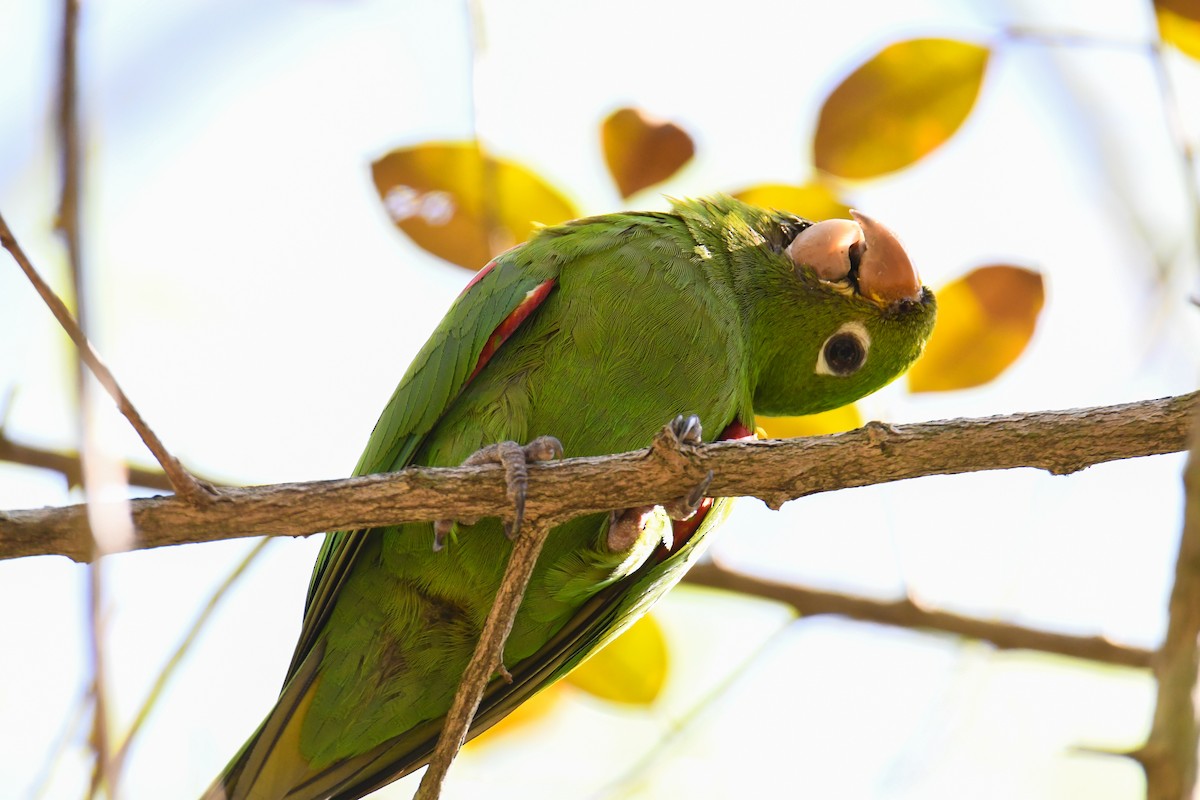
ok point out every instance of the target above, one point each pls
(885, 275)
(827, 246)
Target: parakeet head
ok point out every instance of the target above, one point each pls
(835, 309)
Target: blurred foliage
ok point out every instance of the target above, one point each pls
(641, 150)
(463, 205)
(1179, 25)
(814, 201)
(846, 418)
(632, 669)
(985, 320)
(898, 107)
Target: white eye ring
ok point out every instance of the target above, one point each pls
(853, 329)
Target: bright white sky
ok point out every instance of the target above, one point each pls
(253, 298)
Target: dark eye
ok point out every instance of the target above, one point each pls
(844, 353)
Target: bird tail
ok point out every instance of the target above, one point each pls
(270, 764)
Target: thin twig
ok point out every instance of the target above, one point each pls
(66, 735)
(906, 613)
(488, 656)
(69, 141)
(182, 481)
(70, 465)
(168, 670)
(776, 470)
(1169, 755)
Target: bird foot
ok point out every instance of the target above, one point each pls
(626, 525)
(516, 460)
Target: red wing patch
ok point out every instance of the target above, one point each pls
(683, 530)
(508, 326)
(478, 276)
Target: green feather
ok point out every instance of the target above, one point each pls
(696, 311)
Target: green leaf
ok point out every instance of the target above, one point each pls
(898, 106)
(463, 205)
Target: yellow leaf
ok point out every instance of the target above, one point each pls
(1188, 9)
(841, 419)
(462, 205)
(899, 106)
(985, 319)
(641, 150)
(813, 201)
(1179, 30)
(630, 669)
(525, 714)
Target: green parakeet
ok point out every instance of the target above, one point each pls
(597, 332)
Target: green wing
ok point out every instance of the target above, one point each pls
(599, 621)
(437, 375)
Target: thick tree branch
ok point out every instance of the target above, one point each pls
(906, 613)
(775, 470)
(1169, 755)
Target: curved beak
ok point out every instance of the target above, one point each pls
(831, 248)
(885, 274)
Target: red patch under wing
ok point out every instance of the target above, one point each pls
(509, 325)
(683, 530)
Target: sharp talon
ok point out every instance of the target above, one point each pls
(684, 508)
(515, 460)
(544, 448)
(687, 429)
(441, 529)
(697, 494)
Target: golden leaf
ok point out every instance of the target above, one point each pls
(899, 106)
(813, 201)
(1188, 9)
(530, 711)
(641, 150)
(841, 419)
(630, 669)
(462, 205)
(985, 319)
(1179, 30)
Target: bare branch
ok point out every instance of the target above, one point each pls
(1169, 755)
(486, 661)
(776, 470)
(907, 613)
(185, 485)
(70, 465)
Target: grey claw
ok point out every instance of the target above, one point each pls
(544, 448)
(697, 494)
(682, 508)
(688, 429)
(441, 529)
(515, 460)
